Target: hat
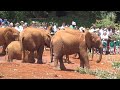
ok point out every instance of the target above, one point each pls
(21, 21)
(17, 24)
(33, 21)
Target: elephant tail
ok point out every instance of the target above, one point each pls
(51, 51)
(6, 50)
(21, 43)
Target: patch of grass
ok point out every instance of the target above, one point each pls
(116, 65)
(99, 73)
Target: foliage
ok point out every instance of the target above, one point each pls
(108, 19)
(116, 65)
(82, 18)
(115, 37)
(99, 73)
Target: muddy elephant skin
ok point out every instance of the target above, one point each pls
(67, 42)
(7, 35)
(13, 51)
(33, 39)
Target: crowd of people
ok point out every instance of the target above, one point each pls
(110, 46)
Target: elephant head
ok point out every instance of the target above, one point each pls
(11, 34)
(47, 38)
(94, 41)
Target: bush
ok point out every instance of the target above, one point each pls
(108, 19)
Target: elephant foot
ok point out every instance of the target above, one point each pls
(31, 61)
(2, 54)
(24, 61)
(9, 60)
(63, 67)
(88, 67)
(39, 62)
(57, 68)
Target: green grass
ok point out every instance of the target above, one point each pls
(116, 65)
(102, 74)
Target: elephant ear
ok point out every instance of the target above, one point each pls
(88, 39)
(47, 39)
(8, 36)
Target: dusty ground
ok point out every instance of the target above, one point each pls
(18, 70)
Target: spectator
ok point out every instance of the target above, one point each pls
(54, 28)
(104, 39)
(73, 24)
(25, 25)
(6, 22)
(0, 21)
(17, 27)
(21, 25)
(11, 24)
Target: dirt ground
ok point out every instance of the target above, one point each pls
(18, 70)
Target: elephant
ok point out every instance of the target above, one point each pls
(97, 44)
(67, 42)
(33, 39)
(16, 53)
(7, 35)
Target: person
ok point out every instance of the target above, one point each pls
(82, 29)
(6, 22)
(112, 45)
(104, 39)
(0, 21)
(25, 25)
(21, 25)
(11, 25)
(117, 46)
(33, 24)
(54, 28)
(73, 24)
(17, 27)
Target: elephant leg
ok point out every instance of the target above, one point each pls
(31, 57)
(51, 55)
(84, 58)
(56, 59)
(3, 50)
(68, 60)
(81, 61)
(10, 59)
(92, 53)
(40, 53)
(23, 57)
(62, 66)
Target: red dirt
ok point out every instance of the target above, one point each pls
(18, 70)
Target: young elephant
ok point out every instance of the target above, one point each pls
(7, 35)
(13, 51)
(67, 42)
(33, 39)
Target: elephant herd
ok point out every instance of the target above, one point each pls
(29, 44)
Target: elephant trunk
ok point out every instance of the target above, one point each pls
(51, 51)
(100, 57)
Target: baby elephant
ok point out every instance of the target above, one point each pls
(14, 51)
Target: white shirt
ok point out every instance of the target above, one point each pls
(104, 37)
(21, 28)
(54, 28)
(73, 23)
(17, 28)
